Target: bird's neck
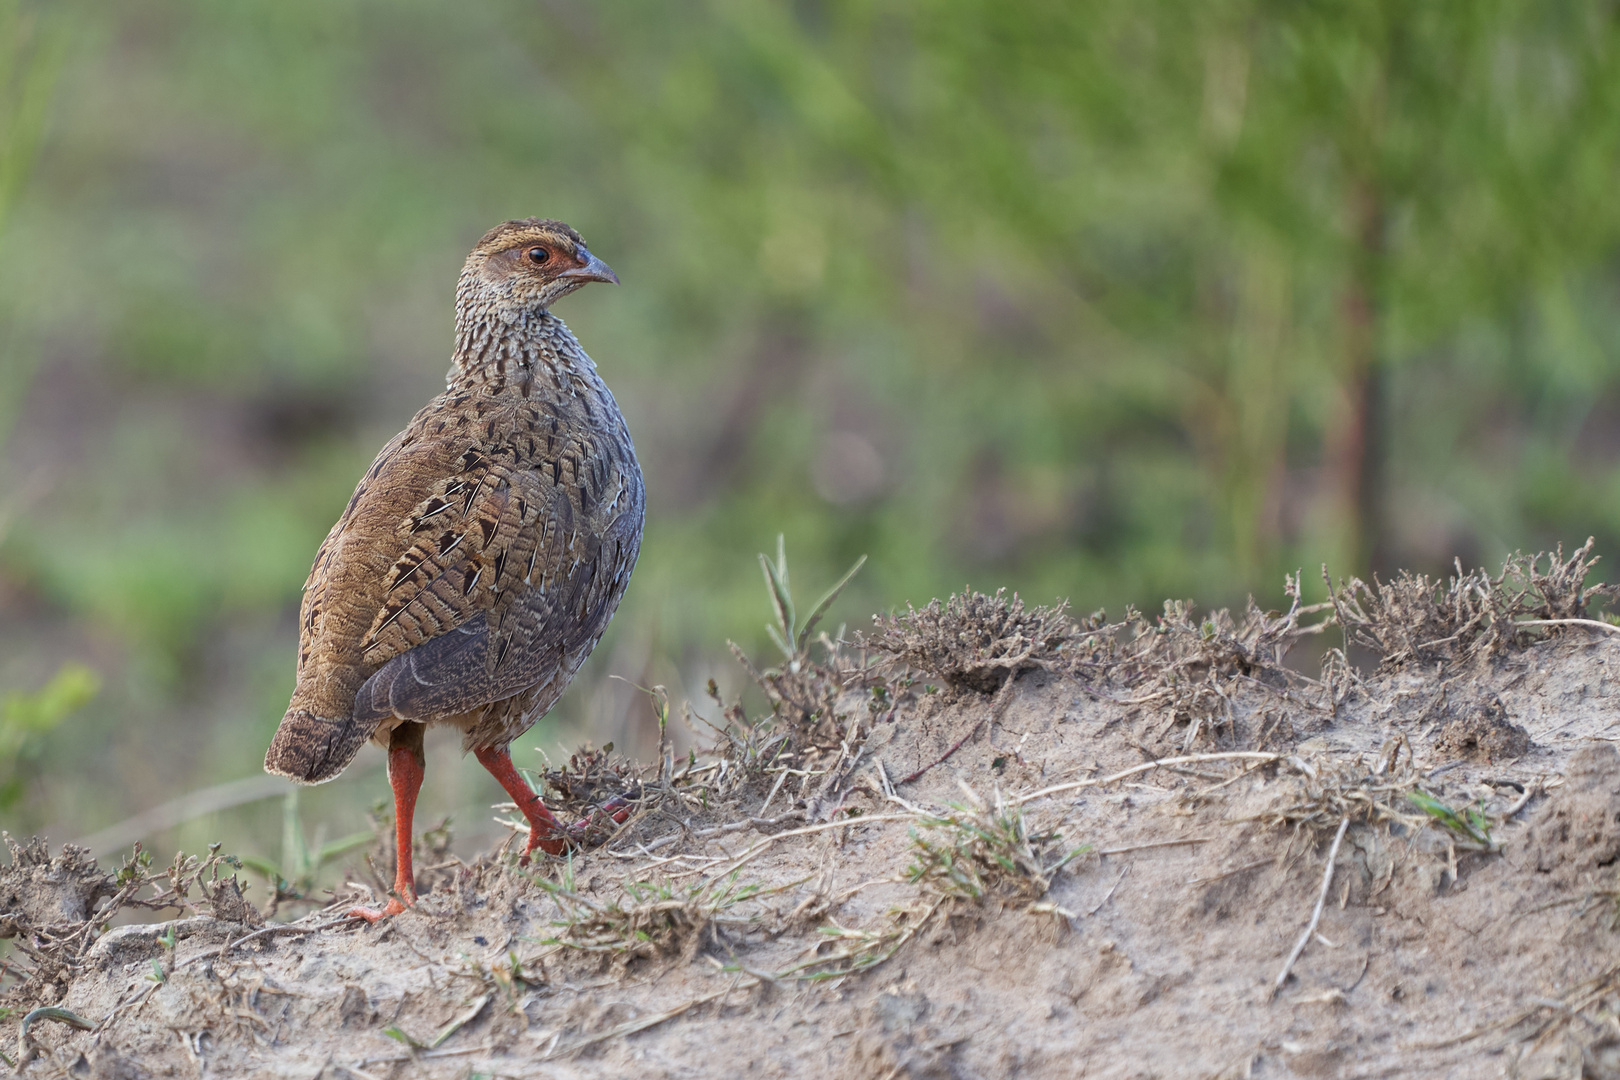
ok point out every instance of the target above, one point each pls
(496, 348)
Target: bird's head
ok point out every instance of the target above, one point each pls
(528, 265)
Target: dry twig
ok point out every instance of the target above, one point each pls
(1316, 915)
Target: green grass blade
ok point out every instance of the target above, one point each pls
(826, 601)
(344, 846)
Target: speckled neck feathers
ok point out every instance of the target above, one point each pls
(499, 346)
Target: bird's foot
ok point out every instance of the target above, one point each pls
(394, 906)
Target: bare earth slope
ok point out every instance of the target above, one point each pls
(860, 926)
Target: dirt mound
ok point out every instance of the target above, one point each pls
(1149, 849)
(1576, 836)
(1483, 733)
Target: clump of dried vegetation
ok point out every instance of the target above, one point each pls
(1188, 666)
(54, 908)
(974, 852)
(650, 919)
(590, 778)
(1322, 794)
(975, 641)
(1415, 619)
(979, 850)
(1193, 669)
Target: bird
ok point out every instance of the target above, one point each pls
(482, 554)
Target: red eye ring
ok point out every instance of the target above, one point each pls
(538, 255)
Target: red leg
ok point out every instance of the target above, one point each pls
(545, 831)
(406, 764)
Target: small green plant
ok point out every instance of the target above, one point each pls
(790, 636)
(1468, 823)
(134, 867)
(979, 849)
(803, 692)
(167, 941)
(293, 877)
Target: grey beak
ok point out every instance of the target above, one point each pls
(593, 270)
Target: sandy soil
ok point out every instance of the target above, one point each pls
(789, 939)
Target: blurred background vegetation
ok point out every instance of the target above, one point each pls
(1111, 300)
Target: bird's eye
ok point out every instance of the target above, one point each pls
(539, 256)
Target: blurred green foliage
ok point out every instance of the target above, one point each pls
(1108, 300)
(30, 55)
(293, 876)
(25, 718)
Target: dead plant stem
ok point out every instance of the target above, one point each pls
(1109, 894)
(1316, 915)
(1590, 624)
(739, 860)
(1155, 844)
(1076, 785)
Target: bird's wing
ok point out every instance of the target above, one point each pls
(309, 612)
(504, 580)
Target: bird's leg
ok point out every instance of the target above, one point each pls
(545, 831)
(406, 764)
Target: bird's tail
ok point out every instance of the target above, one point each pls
(313, 749)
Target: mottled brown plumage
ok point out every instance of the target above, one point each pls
(484, 551)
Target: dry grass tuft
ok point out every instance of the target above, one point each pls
(975, 641)
(1179, 642)
(843, 950)
(974, 852)
(806, 694)
(1416, 619)
(1323, 793)
(979, 850)
(650, 920)
(590, 778)
(1194, 668)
